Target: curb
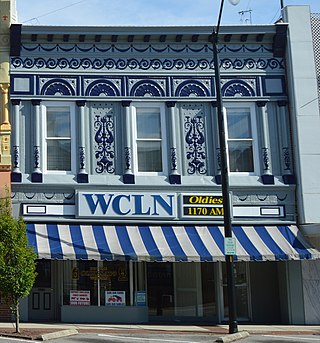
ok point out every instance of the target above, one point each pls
(233, 337)
(58, 334)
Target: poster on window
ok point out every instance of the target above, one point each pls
(141, 298)
(80, 298)
(115, 298)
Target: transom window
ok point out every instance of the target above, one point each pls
(149, 141)
(241, 139)
(58, 143)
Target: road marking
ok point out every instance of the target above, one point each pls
(294, 337)
(17, 339)
(145, 339)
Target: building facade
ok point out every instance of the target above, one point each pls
(7, 16)
(116, 170)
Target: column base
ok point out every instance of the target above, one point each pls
(36, 177)
(267, 179)
(218, 179)
(82, 178)
(289, 179)
(175, 179)
(128, 179)
(16, 177)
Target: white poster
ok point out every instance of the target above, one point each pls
(115, 298)
(80, 298)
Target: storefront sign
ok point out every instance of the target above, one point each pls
(103, 273)
(80, 298)
(128, 205)
(203, 205)
(115, 298)
(141, 298)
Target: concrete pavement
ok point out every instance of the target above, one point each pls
(64, 329)
(177, 328)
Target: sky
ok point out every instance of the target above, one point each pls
(151, 12)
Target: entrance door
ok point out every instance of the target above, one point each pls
(41, 296)
(241, 291)
(160, 290)
(195, 294)
(187, 290)
(182, 291)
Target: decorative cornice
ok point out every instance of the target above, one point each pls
(128, 86)
(143, 64)
(138, 49)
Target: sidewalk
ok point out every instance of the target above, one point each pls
(45, 331)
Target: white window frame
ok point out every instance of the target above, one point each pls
(164, 133)
(254, 130)
(73, 154)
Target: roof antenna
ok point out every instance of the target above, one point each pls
(244, 19)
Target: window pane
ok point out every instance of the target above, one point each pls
(239, 125)
(241, 289)
(81, 276)
(58, 122)
(59, 155)
(240, 156)
(149, 156)
(148, 124)
(114, 276)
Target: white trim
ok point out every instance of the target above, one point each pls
(255, 142)
(164, 148)
(73, 158)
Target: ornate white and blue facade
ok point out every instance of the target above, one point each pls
(116, 138)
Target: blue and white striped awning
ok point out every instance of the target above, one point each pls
(167, 243)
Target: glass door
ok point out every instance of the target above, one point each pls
(182, 290)
(160, 289)
(241, 290)
(41, 307)
(195, 291)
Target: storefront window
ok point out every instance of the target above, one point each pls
(114, 276)
(181, 290)
(97, 278)
(80, 276)
(43, 269)
(241, 290)
(208, 290)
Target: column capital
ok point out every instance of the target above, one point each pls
(171, 104)
(282, 103)
(126, 103)
(81, 103)
(261, 103)
(36, 102)
(15, 102)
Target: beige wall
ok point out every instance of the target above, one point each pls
(8, 15)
